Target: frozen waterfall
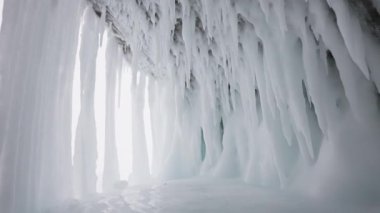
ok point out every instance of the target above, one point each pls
(274, 102)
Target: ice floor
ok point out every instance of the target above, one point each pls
(208, 196)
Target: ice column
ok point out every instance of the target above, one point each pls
(113, 67)
(140, 161)
(37, 53)
(85, 140)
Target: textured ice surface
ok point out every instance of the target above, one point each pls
(38, 41)
(1, 11)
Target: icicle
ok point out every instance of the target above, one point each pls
(352, 34)
(85, 141)
(111, 168)
(140, 161)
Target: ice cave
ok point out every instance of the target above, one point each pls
(189, 106)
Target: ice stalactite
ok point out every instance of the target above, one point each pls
(113, 68)
(85, 140)
(123, 117)
(140, 160)
(37, 53)
(267, 91)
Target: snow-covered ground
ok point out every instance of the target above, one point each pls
(216, 196)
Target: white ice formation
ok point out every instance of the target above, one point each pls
(278, 93)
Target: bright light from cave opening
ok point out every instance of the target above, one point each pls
(123, 114)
